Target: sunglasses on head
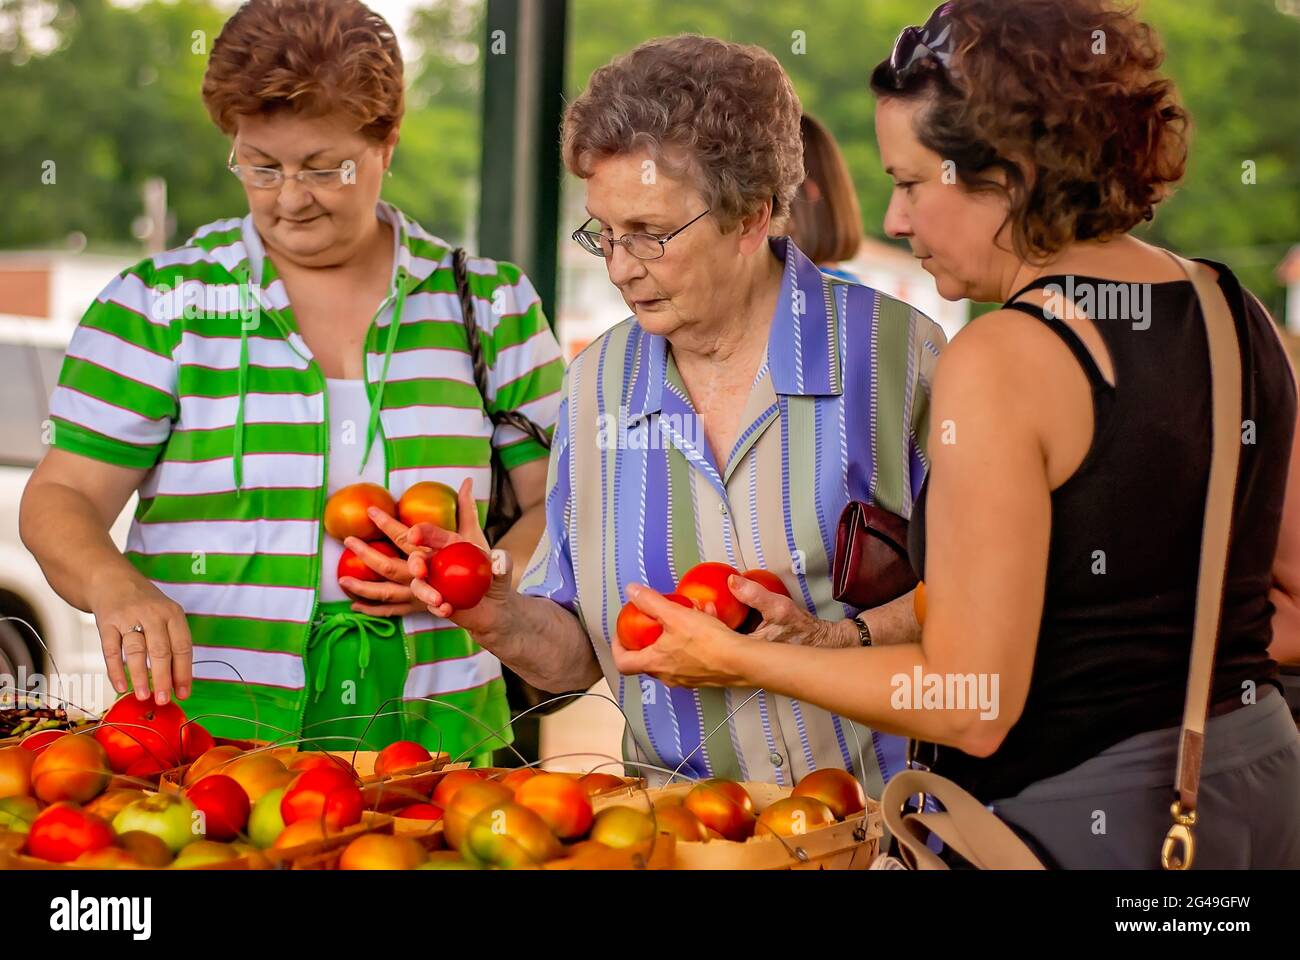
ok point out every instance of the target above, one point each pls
(919, 47)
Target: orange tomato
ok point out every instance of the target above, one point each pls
(468, 802)
(836, 788)
(918, 603)
(345, 511)
(510, 836)
(377, 851)
(516, 778)
(637, 629)
(428, 502)
(451, 782)
(680, 822)
(71, 768)
(722, 806)
(257, 773)
(793, 817)
(210, 761)
(620, 827)
(16, 771)
(595, 783)
(560, 801)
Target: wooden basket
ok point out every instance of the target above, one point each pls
(12, 858)
(850, 845)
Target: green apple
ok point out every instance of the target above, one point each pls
(265, 822)
(173, 820)
(17, 813)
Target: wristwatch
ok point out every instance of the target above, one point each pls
(864, 632)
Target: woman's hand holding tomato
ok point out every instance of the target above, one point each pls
(696, 647)
(429, 540)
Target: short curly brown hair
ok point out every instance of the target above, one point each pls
(311, 57)
(1031, 86)
(726, 113)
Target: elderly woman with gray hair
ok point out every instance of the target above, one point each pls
(747, 399)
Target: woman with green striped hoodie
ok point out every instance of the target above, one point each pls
(237, 381)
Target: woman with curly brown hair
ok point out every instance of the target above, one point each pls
(236, 382)
(1069, 437)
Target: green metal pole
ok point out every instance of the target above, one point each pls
(523, 102)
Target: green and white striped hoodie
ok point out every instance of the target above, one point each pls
(189, 365)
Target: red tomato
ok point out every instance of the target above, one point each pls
(637, 629)
(37, 742)
(63, 831)
(707, 582)
(462, 573)
(350, 565)
(400, 756)
(224, 804)
(135, 730)
(421, 811)
(195, 741)
(767, 580)
(326, 793)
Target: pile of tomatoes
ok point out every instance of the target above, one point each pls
(460, 571)
(230, 803)
(703, 584)
(526, 818)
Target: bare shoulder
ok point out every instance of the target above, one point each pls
(1004, 347)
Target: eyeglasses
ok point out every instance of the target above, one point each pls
(918, 46)
(267, 178)
(643, 246)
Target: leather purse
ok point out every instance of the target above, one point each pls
(871, 565)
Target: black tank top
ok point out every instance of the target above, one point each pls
(1113, 647)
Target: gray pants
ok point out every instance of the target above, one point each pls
(1112, 811)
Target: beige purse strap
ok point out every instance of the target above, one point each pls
(1225, 383)
(970, 828)
(966, 826)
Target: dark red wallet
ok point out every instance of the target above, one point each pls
(871, 565)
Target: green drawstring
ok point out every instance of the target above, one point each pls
(285, 329)
(336, 626)
(393, 330)
(239, 410)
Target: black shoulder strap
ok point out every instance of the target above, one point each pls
(512, 418)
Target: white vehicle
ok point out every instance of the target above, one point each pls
(61, 640)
